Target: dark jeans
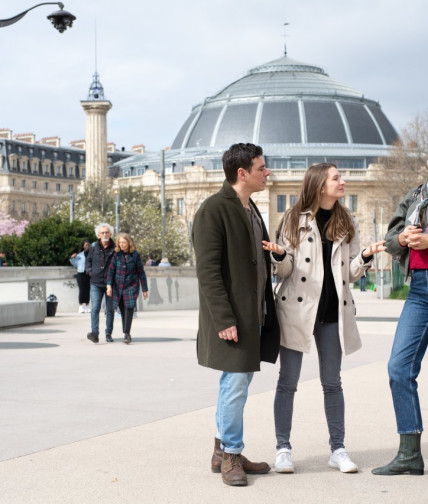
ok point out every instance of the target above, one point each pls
(127, 315)
(83, 281)
(330, 359)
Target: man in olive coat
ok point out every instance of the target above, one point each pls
(238, 327)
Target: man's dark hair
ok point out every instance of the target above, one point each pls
(239, 156)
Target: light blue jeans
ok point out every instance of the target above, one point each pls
(229, 417)
(97, 294)
(408, 350)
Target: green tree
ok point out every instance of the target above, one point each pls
(140, 216)
(47, 242)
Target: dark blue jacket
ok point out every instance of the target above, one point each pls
(98, 262)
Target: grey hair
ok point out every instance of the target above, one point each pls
(103, 224)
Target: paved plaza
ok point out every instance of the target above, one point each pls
(110, 423)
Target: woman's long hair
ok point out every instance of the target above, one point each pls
(340, 223)
(127, 237)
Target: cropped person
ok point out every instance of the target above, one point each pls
(407, 239)
(125, 274)
(83, 280)
(238, 327)
(317, 256)
(97, 264)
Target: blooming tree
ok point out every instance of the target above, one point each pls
(11, 226)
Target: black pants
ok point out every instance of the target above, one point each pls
(127, 314)
(83, 282)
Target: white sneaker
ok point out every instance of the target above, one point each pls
(81, 309)
(283, 463)
(88, 309)
(340, 459)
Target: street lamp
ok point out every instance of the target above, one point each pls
(60, 19)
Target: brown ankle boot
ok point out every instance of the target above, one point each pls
(249, 467)
(232, 470)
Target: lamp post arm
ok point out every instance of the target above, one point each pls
(14, 19)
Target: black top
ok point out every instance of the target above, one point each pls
(328, 308)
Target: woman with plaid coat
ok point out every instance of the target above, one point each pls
(125, 274)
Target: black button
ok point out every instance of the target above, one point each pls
(283, 298)
(307, 259)
(310, 239)
(344, 302)
(343, 264)
(344, 282)
(353, 302)
(254, 261)
(303, 279)
(299, 299)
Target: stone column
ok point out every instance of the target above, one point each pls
(96, 139)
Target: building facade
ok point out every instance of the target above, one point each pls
(299, 115)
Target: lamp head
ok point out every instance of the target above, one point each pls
(61, 20)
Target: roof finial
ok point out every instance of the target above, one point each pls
(285, 45)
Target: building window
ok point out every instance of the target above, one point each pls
(217, 165)
(46, 186)
(70, 188)
(279, 163)
(180, 206)
(24, 166)
(23, 182)
(71, 171)
(58, 171)
(35, 168)
(280, 203)
(34, 184)
(13, 164)
(13, 206)
(353, 202)
(298, 163)
(46, 169)
(58, 188)
(13, 182)
(23, 208)
(34, 208)
(293, 199)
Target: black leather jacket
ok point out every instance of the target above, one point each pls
(98, 262)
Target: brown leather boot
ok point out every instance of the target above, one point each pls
(232, 470)
(249, 467)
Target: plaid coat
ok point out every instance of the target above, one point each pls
(124, 275)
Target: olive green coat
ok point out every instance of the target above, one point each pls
(226, 265)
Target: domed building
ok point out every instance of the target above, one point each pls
(298, 114)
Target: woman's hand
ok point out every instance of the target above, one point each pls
(73, 255)
(410, 234)
(374, 248)
(145, 294)
(273, 247)
(109, 290)
(414, 238)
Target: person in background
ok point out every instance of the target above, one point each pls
(164, 263)
(97, 264)
(83, 281)
(363, 283)
(150, 261)
(2, 259)
(125, 274)
(238, 327)
(317, 256)
(407, 240)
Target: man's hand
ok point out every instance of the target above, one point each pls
(409, 235)
(231, 333)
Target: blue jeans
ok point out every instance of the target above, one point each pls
(408, 350)
(229, 417)
(330, 360)
(97, 294)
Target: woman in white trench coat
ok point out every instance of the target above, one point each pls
(316, 257)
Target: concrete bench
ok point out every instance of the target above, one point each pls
(20, 313)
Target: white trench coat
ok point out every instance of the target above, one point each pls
(301, 275)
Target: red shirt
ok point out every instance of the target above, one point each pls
(418, 259)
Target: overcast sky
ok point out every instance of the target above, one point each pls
(158, 59)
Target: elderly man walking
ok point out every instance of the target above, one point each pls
(97, 263)
(238, 327)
